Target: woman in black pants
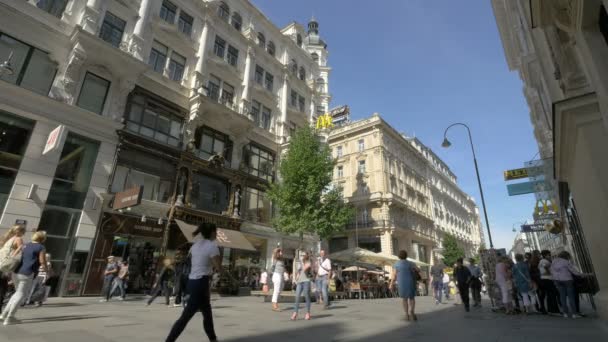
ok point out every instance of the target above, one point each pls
(163, 283)
(205, 256)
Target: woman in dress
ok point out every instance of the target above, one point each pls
(404, 272)
(302, 277)
(205, 256)
(33, 259)
(278, 268)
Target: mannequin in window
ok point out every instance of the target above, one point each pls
(237, 202)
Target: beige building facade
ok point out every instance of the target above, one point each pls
(405, 197)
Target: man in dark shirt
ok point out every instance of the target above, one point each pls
(463, 277)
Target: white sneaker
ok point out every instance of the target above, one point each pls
(565, 315)
(11, 320)
(103, 300)
(576, 316)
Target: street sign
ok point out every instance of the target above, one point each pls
(527, 188)
(128, 198)
(53, 141)
(530, 228)
(516, 174)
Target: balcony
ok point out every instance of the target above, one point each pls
(369, 224)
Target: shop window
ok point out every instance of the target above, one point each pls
(209, 193)
(259, 162)
(184, 24)
(155, 188)
(53, 7)
(158, 57)
(93, 93)
(112, 29)
(167, 12)
(32, 68)
(257, 206)
(212, 143)
(154, 120)
(233, 55)
(73, 174)
(14, 136)
(177, 64)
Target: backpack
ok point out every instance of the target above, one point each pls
(8, 262)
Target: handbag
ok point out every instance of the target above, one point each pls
(9, 262)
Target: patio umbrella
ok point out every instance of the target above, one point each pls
(354, 269)
(364, 256)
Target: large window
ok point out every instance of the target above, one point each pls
(93, 93)
(153, 119)
(155, 188)
(212, 143)
(73, 174)
(233, 55)
(227, 94)
(209, 193)
(112, 29)
(339, 151)
(223, 11)
(32, 68)
(237, 21)
(266, 117)
(361, 166)
(259, 75)
(213, 86)
(257, 206)
(259, 162)
(177, 64)
(158, 57)
(185, 23)
(255, 111)
(219, 48)
(361, 145)
(269, 81)
(340, 172)
(54, 7)
(15, 133)
(167, 12)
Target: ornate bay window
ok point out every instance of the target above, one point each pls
(258, 162)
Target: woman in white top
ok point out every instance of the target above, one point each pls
(278, 268)
(205, 256)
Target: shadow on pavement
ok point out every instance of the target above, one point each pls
(60, 318)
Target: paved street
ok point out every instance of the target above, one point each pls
(248, 319)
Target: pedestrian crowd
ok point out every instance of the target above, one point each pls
(538, 282)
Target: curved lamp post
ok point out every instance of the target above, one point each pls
(446, 143)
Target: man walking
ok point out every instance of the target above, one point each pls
(120, 282)
(437, 280)
(108, 278)
(323, 277)
(475, 282)
(462, 275)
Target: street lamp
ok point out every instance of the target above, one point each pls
(446, 143)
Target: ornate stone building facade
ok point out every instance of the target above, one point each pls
(405, 196)
(560, 50)
(190, 99)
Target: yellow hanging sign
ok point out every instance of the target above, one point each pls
(325, 121)
(544, 207)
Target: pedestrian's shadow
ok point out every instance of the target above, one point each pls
(320, 316)
(58, 305)
(60, 318)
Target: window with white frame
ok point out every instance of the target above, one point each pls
(184, 23)
(361, 145)
(227, 94)
(233, 55)
(93, 93)
(158, 57)
(53, 7)
(340, 172)
(214, 142)
(259, 161)
(219, 47)
(339, 151)
(361, 166)
(32, 68)
(154, 119)
(112, 29)
(167, 11)
(177, 64)
(237, 21)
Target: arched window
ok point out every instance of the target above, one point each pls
(299, 40)
(315, 56)
(237, 21)
(223, 11)
(293, 66)
(302, 74)
(261, 40)
(270, 48)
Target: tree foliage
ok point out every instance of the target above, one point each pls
(305, 199)
(451, 250)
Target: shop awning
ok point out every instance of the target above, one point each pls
(225, 237)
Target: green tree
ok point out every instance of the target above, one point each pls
(451, 250)
(304, 197)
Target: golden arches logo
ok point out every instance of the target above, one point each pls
(325, 121)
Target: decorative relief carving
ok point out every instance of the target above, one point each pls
(125, 87)
(65, 87)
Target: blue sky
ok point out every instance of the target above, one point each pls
(424, 64)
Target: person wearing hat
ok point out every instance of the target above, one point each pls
(108, 278)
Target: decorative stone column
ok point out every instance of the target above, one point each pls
(284, 97)
(197, 80)
(136, 46)
(92, 15)
(247, 81)
(64, 87)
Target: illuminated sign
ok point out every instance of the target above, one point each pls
(516, 174)
(325, 121)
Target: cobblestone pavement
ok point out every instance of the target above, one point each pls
(249, 319)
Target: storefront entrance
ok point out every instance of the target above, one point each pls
(126, 238)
